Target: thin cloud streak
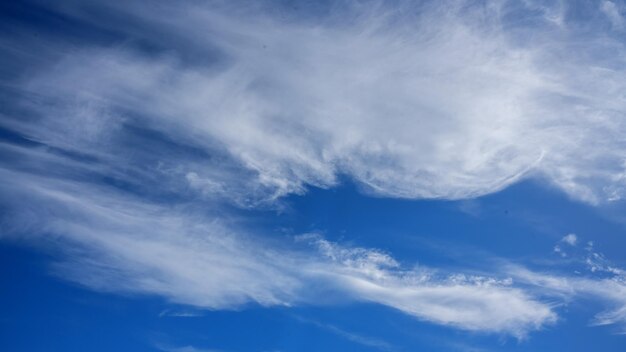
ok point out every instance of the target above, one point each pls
(116, 243)
(359, 339)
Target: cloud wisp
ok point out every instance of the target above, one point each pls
(126, 154)
(431, 101)
(597, 280)
(118, 244)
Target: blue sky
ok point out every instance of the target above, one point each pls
(312, 176)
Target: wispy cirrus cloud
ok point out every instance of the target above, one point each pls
(132, 149)
(187, 348)
(598, 280)
(117, 243)
(608, 290)
(357, 338)
(614, 13)
(429, 101)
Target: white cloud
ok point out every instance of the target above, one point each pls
(443, 103)
(558, 250)
(189, 348)
(605, 284)
(457, 300)
(440, 102)
(117, 243)
(357, 338)
(612, 11)
(570, 239)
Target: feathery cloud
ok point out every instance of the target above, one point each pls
(134, 147)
